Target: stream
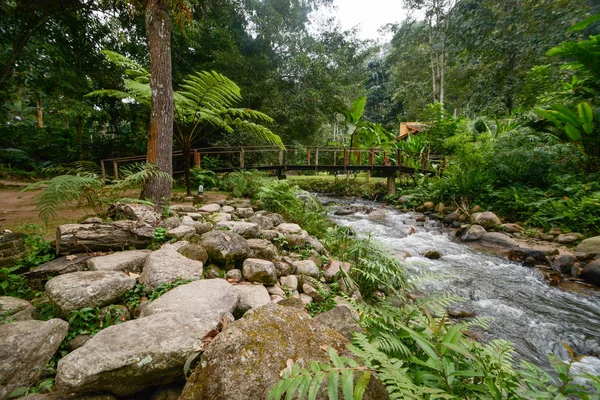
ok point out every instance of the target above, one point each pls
(524, 309)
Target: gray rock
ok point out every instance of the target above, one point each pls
(511, 228)
(167, 265)
(276, 299)
(26, 348)
(135, 355)
(564, 263)
(234, 275)
(333, 268)
(569, 238)
(213, 271)
(194, 252)
(432, 254)
(261, 248)
(134, 212)
(196, 216)
(92, 220)
(257, 270)
(182, 208)
(284, 268)
(63, 265)
(346, 210)
(78, 290)
(210, 208)
(182, 232)
(486, 219)
(275, 290)
(212, 298)
(474, 232)
(270, 235)
(289, 282)
(124, 261)
(591, 273)
(306, 299)
(307, 267)
(247, 230)
(522, 254)
(251, 296)
(243, 212)
(498, 239)
(225, 247)
(590, 246)
(267, 338)
(170, 223)
(289, 229)
(68, 396)
(220, 217)
(450, 218)
(228, 209)
(341, 319)
(14, 309)
(316, 244)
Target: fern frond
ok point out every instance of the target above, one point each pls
(136, 174)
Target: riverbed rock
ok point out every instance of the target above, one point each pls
(247, 230)
(564, 263)
(167, 265)
(591, 273)
(511, 228)
(522, 254)
(38, 277)
(225, 247)
(486, 219)
(124, 261)
(26, 347)
(341, 319)
(208, 298)
(82, 289)
(473, 233)
(432, 254)
(450, 218)
(134, 212)
(333, 268)
(261, 271)
(263, 249)
(127, 358)
(245, 361)
(346, 210)
(569, 238)
(251, 296)
(307, 267)
(498, 239)
(590, 247)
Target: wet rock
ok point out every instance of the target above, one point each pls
(138, 354)
(486, 219)
(26, 348)
(223, 374)
(225, 247)
(349, 210)
(450, 218)
(257, 270)
(247, 230)
(569, 238)
(473, 233)
(459, 314)
(167, 265)
(341, 319)
(432, 254)
(498, 239)
(124, 261)
(251, 296)
(521, 254)
(378, 214)
(212, 298)
(78, 290)
(63, 265)
(591, 273)
(564, 263)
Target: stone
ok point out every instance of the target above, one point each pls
(276, 298)
(228, 209)
(77, 342)
(591, 273)
(38, 277)
(92, 220)
(450, 218)
(299, 240)
(220, 217)
(127, 358)
(210, 208)
(569, 238)
(511, 228)
(289, 283)
(82, 289)
(590, 247)
(12, 247)
(554, 231)
(257, 270)
(378, 214)
(522, 254)
(203, 227)
(306, 299)
(473, 233)
(440, 207)
(310, 290)
(289, 229)
(124, 261)
(69, 396)
(546, 237)
(333, 268)
(261, 248)
(212, 271)
(404, 199)
(247, 230)
(134, 212)
(498, 239)
(26, 348)
(275, 290)
(563, 263)
(293, 302)
(251, 296)
(170, 223)
(429, 205)
(245, 361)
(194, 252)
(182, 232)
(196, 216)
(15, 309)
(182, 208)
(316, 245)
(208, 298)
(167, 265)
(307, 267)
(225, 247)
(234, 275)
(432, 254)
(486, 219)
(457, 313)
(170, 392)
(341, 319)
(243, 212)
(346, 210)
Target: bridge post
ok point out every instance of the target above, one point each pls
(103, 170)
(346, 164)
(334, 156)
(400, 160)
(242, 158)
(196, 158)
(115, 169)
(391, 184)
(316, 159)
(281, 157)
(307, 156)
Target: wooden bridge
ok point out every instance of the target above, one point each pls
(381, 161)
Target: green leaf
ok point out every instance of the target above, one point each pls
(333, 385)
(565, 115)
(573, 133)
(361, 385)
(315, 384)
(460, 350)
(586, 114)
(585, 23)
(333, 355)
(348, 384)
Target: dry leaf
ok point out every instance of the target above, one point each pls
(227, 238)
(71, 258)
(131, 274)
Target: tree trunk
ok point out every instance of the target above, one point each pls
(160, 133)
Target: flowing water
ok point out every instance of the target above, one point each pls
(524, 309)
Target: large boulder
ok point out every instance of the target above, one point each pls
(225, 247)
(208, 298)
(590, 247)
(498, 239)
(25, 349)
(261, 271)
(134, 212)
(167, 265)
(124, 261)
(261, 248)
(341, 319)
(247, 230)
(38, 277)
(135, 355)
(82, 289)
(245, 361)
(474, 232)
(486, 219)
(252, 296)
